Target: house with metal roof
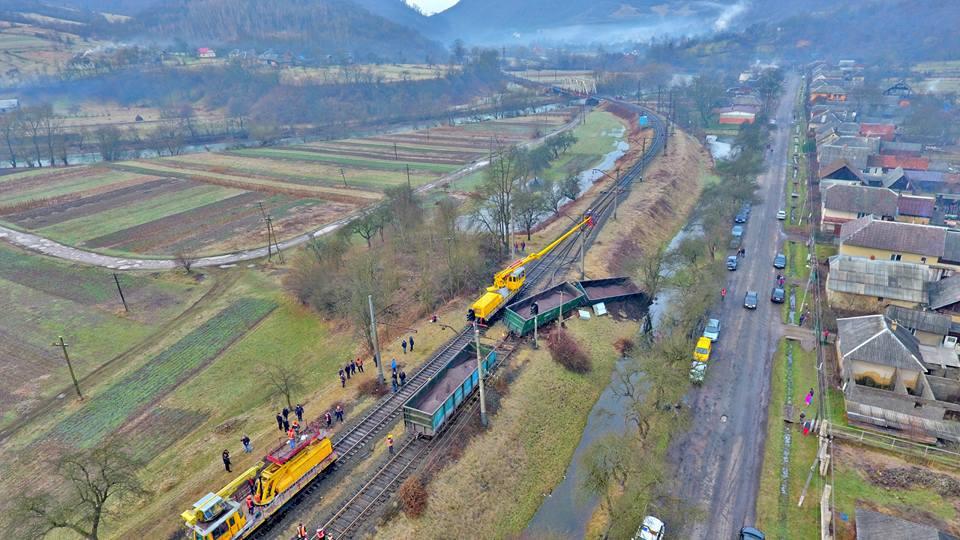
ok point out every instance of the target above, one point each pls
(887, 385)
(861, 285)
(915, 209)
(856, 150)
(876, 526)
(873, 238)
(841, 203)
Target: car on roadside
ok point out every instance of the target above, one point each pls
(651, 529)
(781, 215)
(698, 372)
(712, 330)
(737, 231)
(750, 300)
(780, 261)
(777, 295)
(732, 262)
(741, 218)
(702, 351)
(749, 533)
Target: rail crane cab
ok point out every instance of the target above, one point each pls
(266, 487)
(509, 280)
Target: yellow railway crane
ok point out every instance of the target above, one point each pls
(268, 486)
(509, 280)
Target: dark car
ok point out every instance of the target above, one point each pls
(741, 217)
(732, 262)
(777, 295)
(749, 533)
(750, 300)
(780, 261)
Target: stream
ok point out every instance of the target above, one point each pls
(567, 510)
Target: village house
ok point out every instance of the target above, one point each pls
(873, 525)
(206, 52)
(856, 150)
(841, 203)
(887, 383)
(840, 171)
(929, 327)
(859, 285)
(875, 239)
(915, 209)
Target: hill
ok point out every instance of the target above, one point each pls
(313, 28)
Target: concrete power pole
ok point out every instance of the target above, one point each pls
(63, 346)
(375, 339)
(483, 399)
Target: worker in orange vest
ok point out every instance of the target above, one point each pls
(301, 532)
(250, 504)
(390, 443)
(296, 427)
(292, 438)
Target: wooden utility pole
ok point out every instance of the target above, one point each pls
(408, 176)
(120, 290)
(63, 346)
(344, 177)
(396, 157)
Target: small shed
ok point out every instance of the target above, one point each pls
(517, 315)
(428, 410)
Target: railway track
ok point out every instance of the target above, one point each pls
(359, 436)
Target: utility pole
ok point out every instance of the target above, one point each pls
(122, 299)
(483, 399)
(408, 176)
(344, 177)
(269, 239)
(396, 157)
(616, 194)
(63, 346)
(376, 341)
(535, 309)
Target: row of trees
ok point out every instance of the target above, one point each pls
(513, 196)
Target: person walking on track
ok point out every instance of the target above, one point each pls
(390, 443)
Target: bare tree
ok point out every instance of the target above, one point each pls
(52, 126)
(10, 129)
(92, 480)
(185, 260)
(283, 381)
(109, 140)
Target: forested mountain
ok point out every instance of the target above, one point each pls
(312, 28)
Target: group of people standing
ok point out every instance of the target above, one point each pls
(349, 370)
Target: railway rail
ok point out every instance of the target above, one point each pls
(361, 435)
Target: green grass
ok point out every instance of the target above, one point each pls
(850, 486)
(595, 138)
(382, 164)
(108, 410)
(825, 251)
(777, 515)
(77, 230)
(55, 188)
(797, 269)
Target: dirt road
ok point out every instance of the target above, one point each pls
(718, 461)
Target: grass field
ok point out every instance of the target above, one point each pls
(42, 298)
(27, 51)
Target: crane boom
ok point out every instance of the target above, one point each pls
(509, 280)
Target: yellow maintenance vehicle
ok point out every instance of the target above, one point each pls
(252, 498)
(509, 280)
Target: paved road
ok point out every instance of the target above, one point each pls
(719, 460)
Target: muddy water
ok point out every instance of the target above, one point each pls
(567, 510)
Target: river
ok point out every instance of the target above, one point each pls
(566, 510)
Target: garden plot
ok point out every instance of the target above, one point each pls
(109, 410)
(42, 298)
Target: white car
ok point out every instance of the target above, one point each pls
(712, 330)
(782, 215)
(651, 529)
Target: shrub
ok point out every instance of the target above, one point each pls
(565, 351)
(372, 387)
(624, 346)
(413, 497)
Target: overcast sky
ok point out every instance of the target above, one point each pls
(432, 6)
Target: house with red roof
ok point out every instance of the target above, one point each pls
(886, 132)
(886, 162)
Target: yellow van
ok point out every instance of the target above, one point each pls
(702, 352)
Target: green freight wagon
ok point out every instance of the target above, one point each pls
(520, 321)
(609, 290)
(428, 410)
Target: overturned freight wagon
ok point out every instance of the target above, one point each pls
(609, 290)
(520, 321)
(428, 410)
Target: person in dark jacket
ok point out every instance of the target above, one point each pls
(411, 343)
(299, 412)
(280, 422)
(226, 460)
(286, 413)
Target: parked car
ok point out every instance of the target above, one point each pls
(749, 533)
(712, 330)
(698, 372)
(732, 262)
(651, 529)
(780, 261)
(777, 295)
(750, 300)
(782, 215)
(745, 209)
(737, 231)
(702, 351)
(741, 218)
